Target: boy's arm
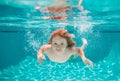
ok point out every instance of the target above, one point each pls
(43, 48)
(40, 55)
(85, 60)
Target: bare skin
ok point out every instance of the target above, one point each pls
(59, 52)
(56, 10)
(61, 7)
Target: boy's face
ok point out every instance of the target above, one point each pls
(59, 44)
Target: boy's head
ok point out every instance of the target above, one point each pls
(60, 39)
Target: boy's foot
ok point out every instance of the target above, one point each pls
(37, 7)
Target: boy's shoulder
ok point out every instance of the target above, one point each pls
(72, 50)
(48, 50)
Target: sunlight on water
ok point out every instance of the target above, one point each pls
(29, 69)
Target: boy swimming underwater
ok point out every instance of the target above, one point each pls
(61, 48)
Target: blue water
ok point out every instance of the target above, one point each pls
(23, 31)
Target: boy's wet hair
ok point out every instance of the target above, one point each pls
(64, 34)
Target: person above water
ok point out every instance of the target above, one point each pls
(59, 10)
(61, 48)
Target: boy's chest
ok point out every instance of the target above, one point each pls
(61, 58)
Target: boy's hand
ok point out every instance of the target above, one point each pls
(40, 58)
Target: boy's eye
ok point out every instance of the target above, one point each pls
(55, 43)
(61, 43)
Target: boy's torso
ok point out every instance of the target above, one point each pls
(61, 58)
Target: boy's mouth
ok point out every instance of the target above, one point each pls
(58, 49)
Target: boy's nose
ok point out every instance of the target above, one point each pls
(58, 46)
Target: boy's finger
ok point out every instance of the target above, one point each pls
(40, 60)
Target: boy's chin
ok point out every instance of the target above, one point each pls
(58, 52)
